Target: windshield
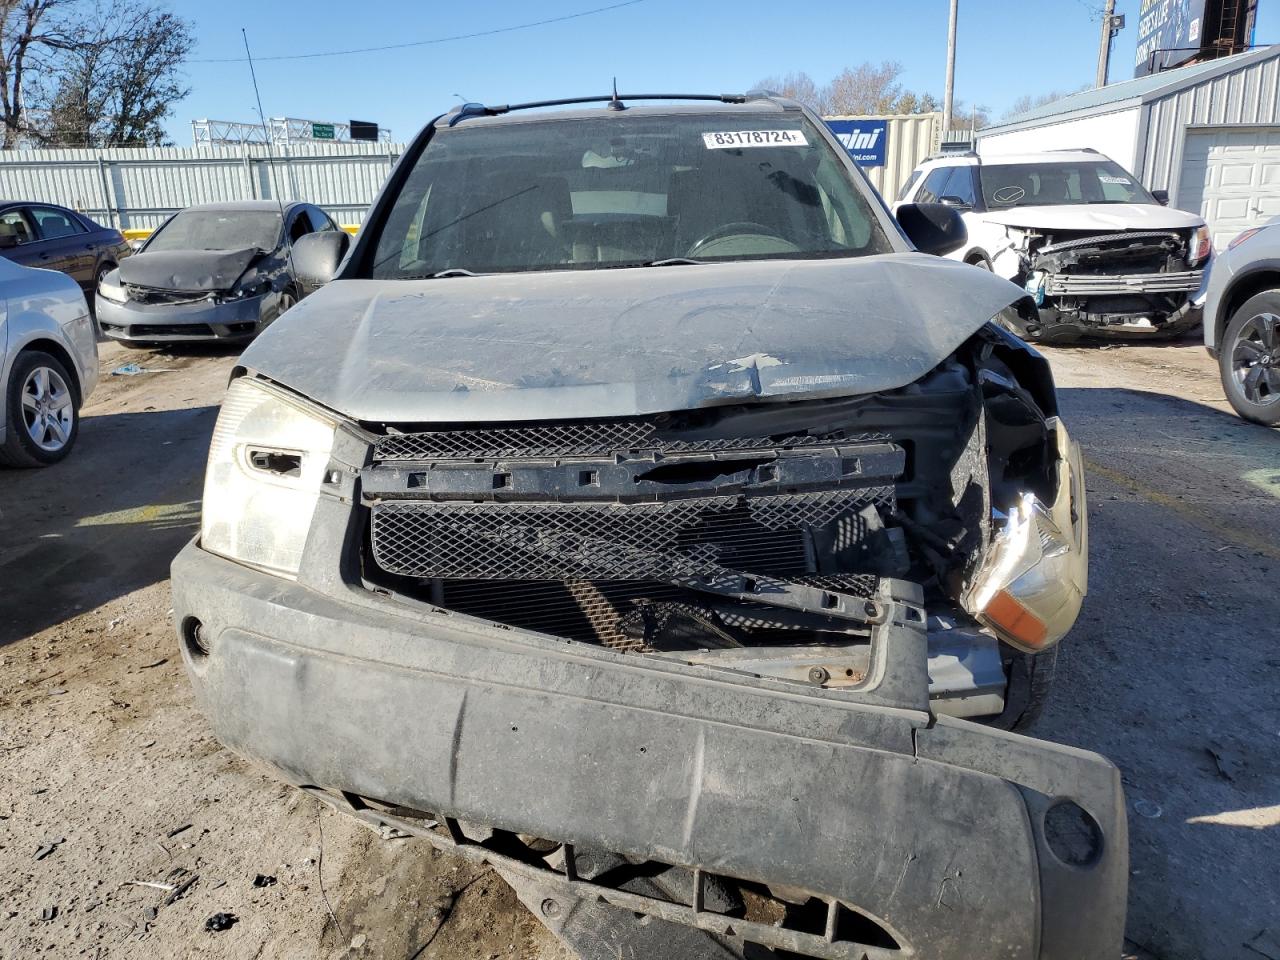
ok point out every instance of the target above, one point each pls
(218, 230)
(623, 190)
(1043, 184)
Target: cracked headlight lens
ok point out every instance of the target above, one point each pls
(267, 462)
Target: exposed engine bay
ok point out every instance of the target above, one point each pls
(752, 537)
(1129, 283)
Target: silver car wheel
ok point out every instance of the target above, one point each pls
(48, 409)
(1255, 359)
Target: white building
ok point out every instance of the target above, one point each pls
(1207, 133)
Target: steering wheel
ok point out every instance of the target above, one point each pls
(737, 228)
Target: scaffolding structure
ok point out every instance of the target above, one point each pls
(278, 131)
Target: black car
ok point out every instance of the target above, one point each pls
(55, 238)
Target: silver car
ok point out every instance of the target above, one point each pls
(1242, 322)
(48, 364)
(639, 492)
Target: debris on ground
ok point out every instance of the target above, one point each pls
(134, 369)
(48, 913)
(176, 882)
(221, 921)
(49, 847)
(263, 880)
(181, 828)
(1265, 943)
(1147, 808)
(157, 663)
(1229, 763)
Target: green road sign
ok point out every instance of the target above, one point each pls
(322, 131)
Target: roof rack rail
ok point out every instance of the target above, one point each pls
(461, 112)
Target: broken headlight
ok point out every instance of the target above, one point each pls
(267, 462)
(110, 289)
(1031, 583)
(1201, 246)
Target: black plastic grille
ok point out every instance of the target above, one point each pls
(609, 541)
(591, 438)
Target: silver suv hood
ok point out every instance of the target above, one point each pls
(610, 343)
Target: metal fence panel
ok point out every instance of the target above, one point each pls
(138, 188)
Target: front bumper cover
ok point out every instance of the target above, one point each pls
(205, 320)
(1064, 326)
(934, 827)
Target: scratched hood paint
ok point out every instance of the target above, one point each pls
(607, 343)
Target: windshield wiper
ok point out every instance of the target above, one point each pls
(451, 272)
(672, 262)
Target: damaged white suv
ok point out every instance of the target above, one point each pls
(1101, 256)
(636, 511)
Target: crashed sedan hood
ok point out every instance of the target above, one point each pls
(623, 342)
(1103, 217)
(187, 269)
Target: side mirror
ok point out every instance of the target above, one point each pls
(316, 257)
(1162, 197)
(953, 202)
(933, 227)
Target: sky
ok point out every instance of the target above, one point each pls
(1006, 48)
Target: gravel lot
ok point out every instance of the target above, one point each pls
(111, 776)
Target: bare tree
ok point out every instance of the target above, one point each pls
(118, 85)
(32, 33)
(1029, 101)
(89, 72)
(797, 86)
(865, 89)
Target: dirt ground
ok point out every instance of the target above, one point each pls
(111, 776)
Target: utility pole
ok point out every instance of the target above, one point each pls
(1104, 50)
(948, 98)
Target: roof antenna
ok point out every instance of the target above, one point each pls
(266, 131)
(615, 103)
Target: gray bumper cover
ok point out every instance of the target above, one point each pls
(934, 827)
(179, 322)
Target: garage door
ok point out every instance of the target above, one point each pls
(1231, 177)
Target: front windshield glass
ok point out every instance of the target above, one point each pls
(623, 190)
(218, 230)
(1007, 185)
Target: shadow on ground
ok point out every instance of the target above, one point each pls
(1171, 670)
(104, 522)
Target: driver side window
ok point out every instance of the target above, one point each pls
(934, 185)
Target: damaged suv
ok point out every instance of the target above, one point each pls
(1100, 255)
(658, 520)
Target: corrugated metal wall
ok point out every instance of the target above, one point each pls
(912, 138)
(138, 189)
(1250, 95)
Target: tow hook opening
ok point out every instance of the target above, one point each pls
(194, 638)
(1073, 836)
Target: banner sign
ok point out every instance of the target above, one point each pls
(1169, 33)
(866, 140)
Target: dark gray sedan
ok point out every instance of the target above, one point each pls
(55, 238)
(211, 272)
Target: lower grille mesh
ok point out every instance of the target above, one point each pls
(609, 541)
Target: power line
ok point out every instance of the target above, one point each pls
(424, 43)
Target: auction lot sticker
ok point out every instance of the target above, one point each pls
(754, 138)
